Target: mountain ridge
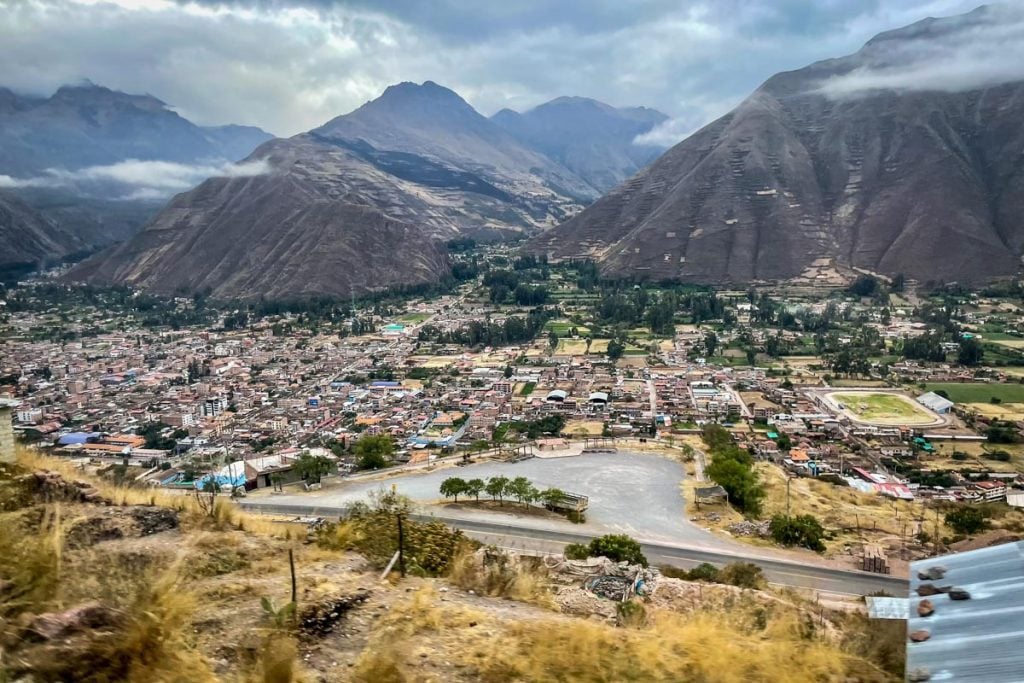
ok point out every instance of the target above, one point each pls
(798, 184)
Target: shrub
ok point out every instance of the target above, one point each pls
(704, 572)
(618, 548)
(967, 520)
(577, 551)
(743, 575)
(1001, 456)
(959, 455)
(803, 530)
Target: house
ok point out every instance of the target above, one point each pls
(989, 491)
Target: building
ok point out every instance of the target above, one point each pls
(6, 430)
(935, 403)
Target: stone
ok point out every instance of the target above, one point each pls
(927, 589)
(919, 675)
(53, 625)
(959, 594)
(919, 636)
(932, 573)
(925, 608)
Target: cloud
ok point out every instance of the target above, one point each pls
(669, 133)
(290, 65)
(982, 49)
(135, 179)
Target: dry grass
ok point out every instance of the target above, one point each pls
(852, 516)
(224, 514)
(492, 572)
(707, 647)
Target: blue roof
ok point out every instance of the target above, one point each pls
(77, 438)
(385, 383)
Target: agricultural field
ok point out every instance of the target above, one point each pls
(979, 392)
(882, 408)
(999, 411)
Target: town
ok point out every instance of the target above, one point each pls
(915, 398)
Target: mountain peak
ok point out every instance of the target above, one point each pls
(407, 91)
(87, 91)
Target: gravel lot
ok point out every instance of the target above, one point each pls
(634, 493)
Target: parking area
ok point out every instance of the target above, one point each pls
(634, 493)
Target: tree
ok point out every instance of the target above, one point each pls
(970, 352)
(553, 339)
(311, 468)
(967, 520)
(803, 530)
(521, 489)
(732, 469)
(474, 487)
(615, 349)
(374, 452)
(710, 343)
(496, 488)
(618, 548)
(453, 486)
(551, 497)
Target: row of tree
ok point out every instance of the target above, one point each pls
(499, 488)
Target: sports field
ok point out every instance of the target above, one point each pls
(883, 408)
(979, 392)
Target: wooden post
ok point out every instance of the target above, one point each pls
(291, 566)
(401, 547)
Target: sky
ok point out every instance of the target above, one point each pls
(290, 65)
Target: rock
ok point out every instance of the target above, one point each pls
(153, 520)
(320, 618)
(919, 675)
(959, 594)
(53, 625)
(927, 589)
(925, 608)
(932, 573)
(919, 636)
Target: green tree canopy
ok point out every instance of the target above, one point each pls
(374, 452)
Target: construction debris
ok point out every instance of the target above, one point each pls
(748, 528)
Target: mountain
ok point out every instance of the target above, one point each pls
(72, 157)
(28, 238)
(590, 138)
(388, 181)
(242, 238)
(89, 125)
(850, 163)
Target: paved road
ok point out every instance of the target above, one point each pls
(507, 534)
(546, 541)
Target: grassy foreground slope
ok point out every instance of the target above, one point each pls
(107, 584)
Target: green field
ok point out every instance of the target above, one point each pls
(882, 408)
(978, 392)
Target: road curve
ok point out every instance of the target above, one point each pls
(523, 538)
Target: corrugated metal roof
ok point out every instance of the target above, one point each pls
(981, 639)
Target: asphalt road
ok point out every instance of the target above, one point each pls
(545, 540)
